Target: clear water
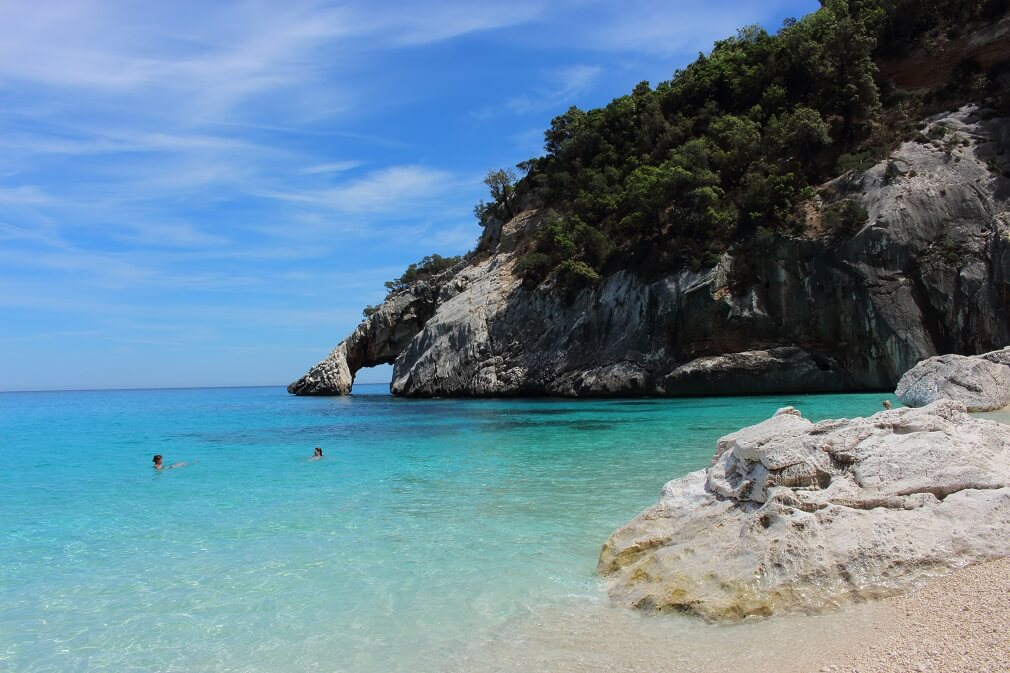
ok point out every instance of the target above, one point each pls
(427, 531)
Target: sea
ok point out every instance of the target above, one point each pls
(434, 535)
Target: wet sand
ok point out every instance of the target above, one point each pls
(959, 622)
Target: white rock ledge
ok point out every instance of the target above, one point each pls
(801, 515)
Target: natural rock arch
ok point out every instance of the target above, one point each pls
(378, 340)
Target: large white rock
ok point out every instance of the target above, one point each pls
(794, 514)
(980, 383)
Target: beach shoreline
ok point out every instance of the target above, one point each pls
(955, 623)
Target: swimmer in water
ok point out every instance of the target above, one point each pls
(159, 465)
(887, 405)
(317, 454)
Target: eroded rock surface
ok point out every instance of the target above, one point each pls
(801, 515)
(980, 383)
(928, 273)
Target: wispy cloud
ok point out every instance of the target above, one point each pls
(332, 167)
(252, 170)
(417, 23)
(385, 190)
(205, 60)
(558, 87)
(169, 234)
(24, 195)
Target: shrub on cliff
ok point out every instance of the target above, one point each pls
(432, 265)
(501, 184)
(533, 268)
(574, 275)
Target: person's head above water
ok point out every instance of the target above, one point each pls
(318, 452)
(157, 460)
(887, 404)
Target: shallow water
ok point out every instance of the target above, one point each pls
(435, 535)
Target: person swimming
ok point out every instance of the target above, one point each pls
(160, 465)
(887, 405)
(317, 454)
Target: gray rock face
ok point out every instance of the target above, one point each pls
(801, 515)
(979, 383)
(928, 273)
(1001, 357)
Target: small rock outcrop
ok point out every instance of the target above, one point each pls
(979, 383)
(799, 515)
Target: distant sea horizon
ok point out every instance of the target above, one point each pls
(140, 388)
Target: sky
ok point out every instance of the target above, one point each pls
(207, 194)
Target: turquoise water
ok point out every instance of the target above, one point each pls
(429, 528)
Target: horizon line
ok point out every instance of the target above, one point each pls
(142, 388)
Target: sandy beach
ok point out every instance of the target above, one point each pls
(956, 623)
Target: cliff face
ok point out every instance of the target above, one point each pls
(934, 68)
(928, 273)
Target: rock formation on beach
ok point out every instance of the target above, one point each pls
(928, 273)
(799, 515)
(981, 383)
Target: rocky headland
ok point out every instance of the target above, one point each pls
(928, 272)
(799, 515)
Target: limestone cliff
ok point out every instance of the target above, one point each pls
(928, 273)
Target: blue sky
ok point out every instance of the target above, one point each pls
(200, 194)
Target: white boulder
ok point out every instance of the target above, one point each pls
(801, 515)
(980, 383)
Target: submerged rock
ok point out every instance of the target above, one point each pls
(801, 515)
(981, 383)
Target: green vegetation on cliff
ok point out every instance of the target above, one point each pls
(428, 267)
(725, 151)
